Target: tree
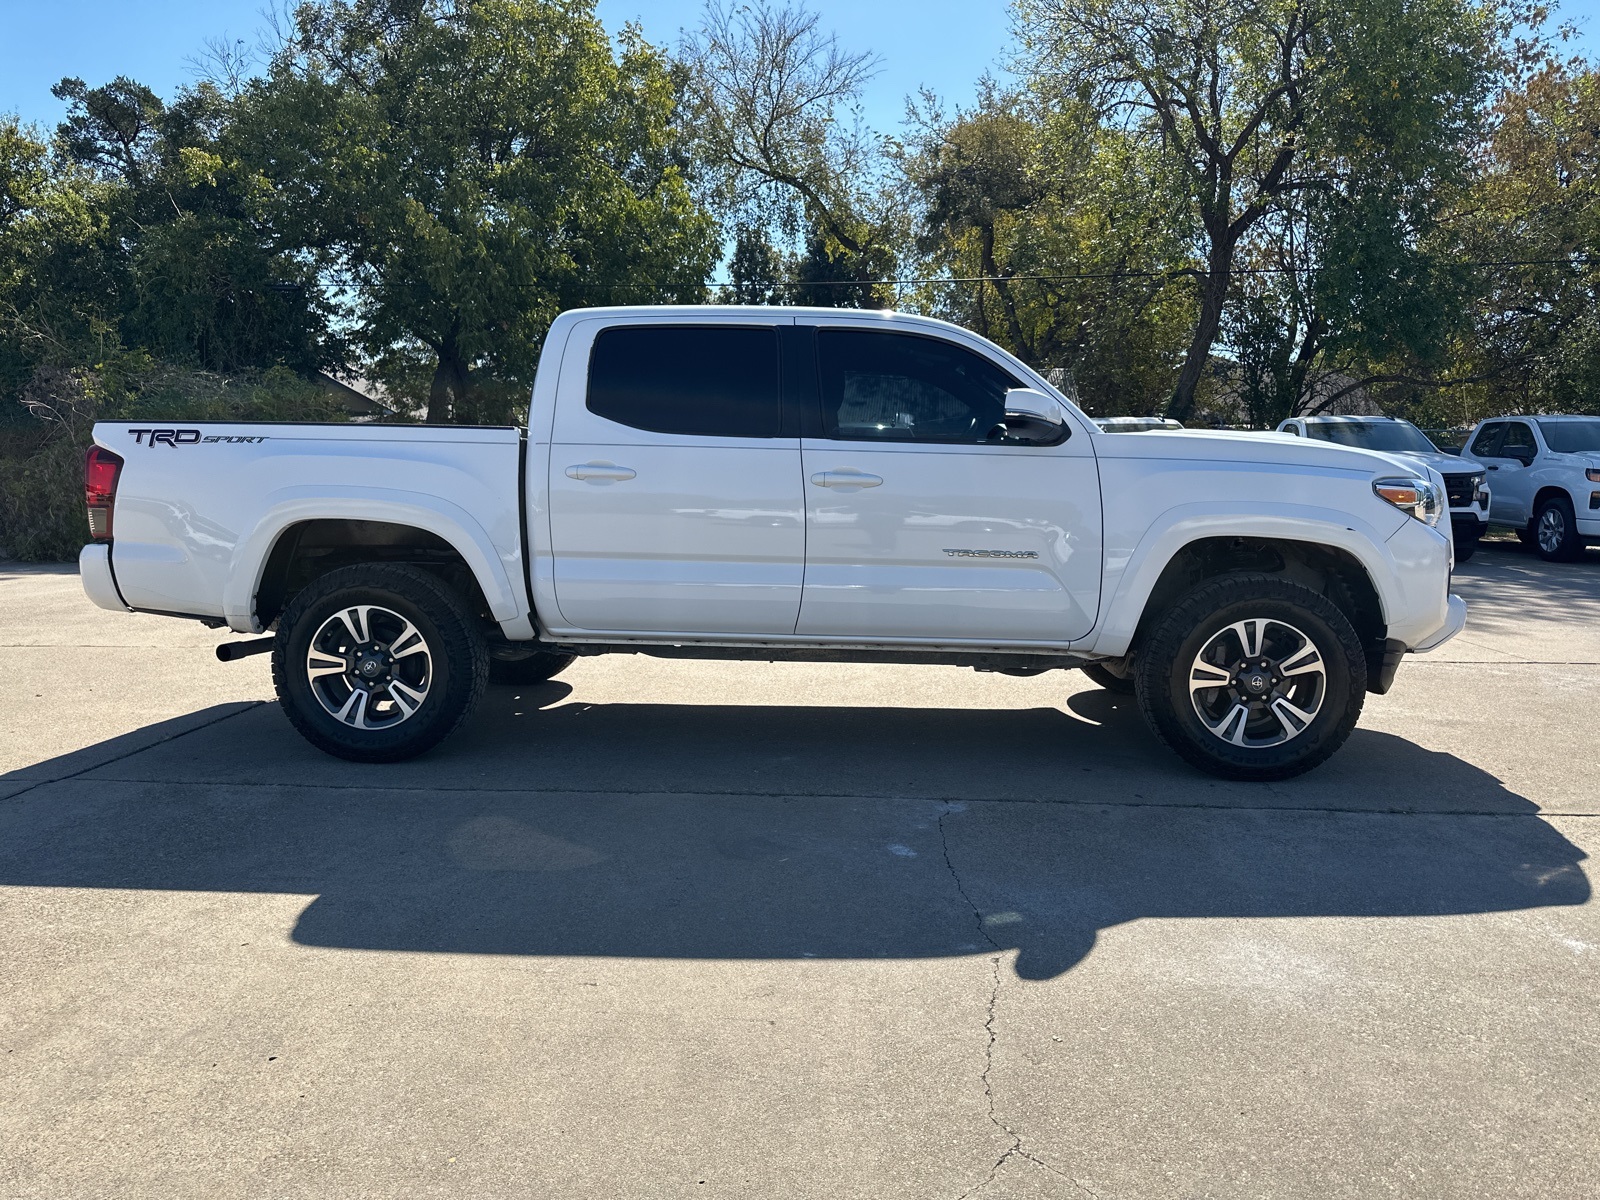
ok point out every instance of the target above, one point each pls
(1060, 235)
(462, 171)
(1531, 216)
(1257, 102)
(179, 269)
(774, 113)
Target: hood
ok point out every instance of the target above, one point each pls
(1445, 464)
(1196, 445)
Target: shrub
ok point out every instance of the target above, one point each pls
(41, 459)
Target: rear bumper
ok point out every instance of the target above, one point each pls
(1588, 528)
(99, 584)
(1455, 621)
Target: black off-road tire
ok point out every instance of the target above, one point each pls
(459, 659)
(1566, 545)
(1166, 656)
(539, 667)
(1103, 675)
(1465, 548)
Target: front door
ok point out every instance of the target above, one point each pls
(674, 488)
(920, 523)
(1508, 451)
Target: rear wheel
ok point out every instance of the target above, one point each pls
(1252, 677)
(1555, 531)
(378, 662)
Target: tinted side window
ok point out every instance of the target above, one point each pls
(1488, 439)
(703, 380)
(902, 388)
(1519, 441)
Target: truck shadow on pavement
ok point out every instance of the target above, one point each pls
(707, 832)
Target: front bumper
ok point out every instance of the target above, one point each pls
(99, 584)
(1455, 621)
(1467, 524)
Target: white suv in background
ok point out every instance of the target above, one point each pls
(1463, 481)
(1546, 479)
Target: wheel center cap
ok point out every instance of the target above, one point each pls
(1256, 682)
(369, 667)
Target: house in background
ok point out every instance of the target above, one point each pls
(363, 399)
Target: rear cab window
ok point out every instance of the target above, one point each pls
(691, 380)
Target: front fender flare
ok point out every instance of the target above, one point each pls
(1183, 524)
(490, 566)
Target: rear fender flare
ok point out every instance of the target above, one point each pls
(494, 568)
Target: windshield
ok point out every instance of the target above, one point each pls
(1373, 435)
(1571, 437)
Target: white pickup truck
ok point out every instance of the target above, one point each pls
(784, 484)
(1546, 480)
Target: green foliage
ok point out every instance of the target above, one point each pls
(1071, 237)
(465, 171)
(1267, 114)
(41, 461)
(1533, 208)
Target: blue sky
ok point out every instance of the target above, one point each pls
(944, 44)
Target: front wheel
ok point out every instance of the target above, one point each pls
(1555, 530)
(1466, 547)
(1252, 677)
(378, 662)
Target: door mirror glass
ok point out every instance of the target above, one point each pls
(1032, 418)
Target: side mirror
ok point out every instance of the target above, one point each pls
(1034, 419)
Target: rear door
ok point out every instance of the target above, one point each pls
(674, 490)
(919, 524)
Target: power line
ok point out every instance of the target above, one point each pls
(1169, 272)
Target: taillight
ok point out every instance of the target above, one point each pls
(100, 470)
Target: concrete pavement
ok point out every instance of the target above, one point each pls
(664, 928)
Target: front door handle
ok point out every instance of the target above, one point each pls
(846, 477)
(600, 472)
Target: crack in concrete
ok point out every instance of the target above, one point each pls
(558, 790)
(1015, 1150)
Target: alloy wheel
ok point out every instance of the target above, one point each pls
(1552, 529)
(369, 667)
(1258, 683)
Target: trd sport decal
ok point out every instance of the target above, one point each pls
(992, 553)
(188, 437)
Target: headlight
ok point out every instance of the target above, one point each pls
(1592, 475)
(1417, 497)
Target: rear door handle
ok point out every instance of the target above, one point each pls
(846, 477)
(600, 472)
